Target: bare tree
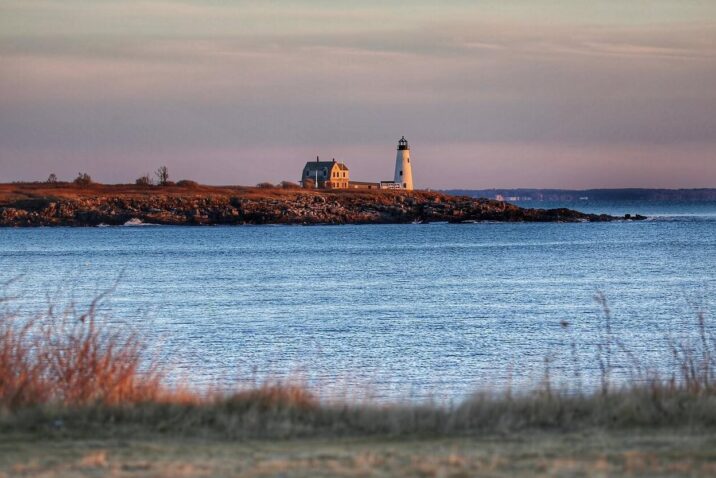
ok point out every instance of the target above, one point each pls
(162, 175)
(52, 178)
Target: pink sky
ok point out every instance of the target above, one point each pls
(532, 94)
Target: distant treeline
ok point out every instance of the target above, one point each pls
(590, 194)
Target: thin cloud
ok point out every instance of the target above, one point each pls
(122, 82)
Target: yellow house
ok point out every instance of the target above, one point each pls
(325, 175)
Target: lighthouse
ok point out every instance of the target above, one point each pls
(403, 168)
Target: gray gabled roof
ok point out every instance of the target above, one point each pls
(321, 165)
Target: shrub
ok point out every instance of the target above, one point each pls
(187, 183)
(143, 180)
(265, 185)
(289, 185)
(83, 179)
(309, 183)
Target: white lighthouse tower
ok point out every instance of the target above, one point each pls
(403, 168)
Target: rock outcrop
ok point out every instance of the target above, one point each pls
(114, 205)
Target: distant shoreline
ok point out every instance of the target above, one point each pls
(574, 195)
(66, 204)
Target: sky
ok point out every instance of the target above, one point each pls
(495, 93)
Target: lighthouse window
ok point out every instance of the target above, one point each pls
(401, 173)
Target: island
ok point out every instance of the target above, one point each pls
(188, 203)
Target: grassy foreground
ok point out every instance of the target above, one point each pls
(79, 400)
(589, 453)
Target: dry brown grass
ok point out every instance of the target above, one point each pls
(71, 360)
(9, 193)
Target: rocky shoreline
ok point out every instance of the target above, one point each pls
(37, 205)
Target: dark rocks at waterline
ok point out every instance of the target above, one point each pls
(296, 208)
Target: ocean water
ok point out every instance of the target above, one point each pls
(388, 311)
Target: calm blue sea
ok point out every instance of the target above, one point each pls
(388, 311)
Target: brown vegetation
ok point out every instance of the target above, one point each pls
(10, 192)
(71, 361)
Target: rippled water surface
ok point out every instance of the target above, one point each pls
(397, 310)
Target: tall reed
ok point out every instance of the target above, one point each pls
(73, 360)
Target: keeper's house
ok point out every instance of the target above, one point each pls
(325, 175)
